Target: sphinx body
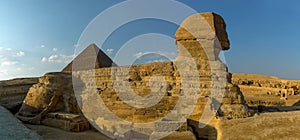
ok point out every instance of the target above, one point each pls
(201, 37)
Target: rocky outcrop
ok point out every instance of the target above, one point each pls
(53, 93)
(13, 92)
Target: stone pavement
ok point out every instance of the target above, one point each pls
(12, 129)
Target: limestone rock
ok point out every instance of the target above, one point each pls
(197, 27)
(262, 90)
(111, 83)
(52, 84)
(197, 41)
(13, 92)
(263, 81)
(69, 122)
(53, 93)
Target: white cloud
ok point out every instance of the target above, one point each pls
(3, 72)
(8, 49)
(43, 46)
(170, 55)
(8, 52)
(55, 49)
(8, 63)
(110, 51)
(140, 54)
(44, 59)
(9, 56)
(151, 57)
(53, 58)
(17, 71)
(153, 61)
(20, 54)
(58, 58)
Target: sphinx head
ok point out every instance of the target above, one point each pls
(206, 25)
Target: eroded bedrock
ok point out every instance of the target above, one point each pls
(52, 102)
(13, 92)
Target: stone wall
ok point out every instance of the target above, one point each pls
(138, 79)
(13, 92)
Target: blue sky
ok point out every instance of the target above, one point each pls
(40, 36)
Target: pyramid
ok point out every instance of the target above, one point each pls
(84, 59)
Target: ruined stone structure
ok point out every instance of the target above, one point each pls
(13, 92)
(264, 81)
(52, 102)
(284, 94)
(200, 39)
(266, 90)
(291, 91)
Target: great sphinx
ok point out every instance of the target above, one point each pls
(53, 97)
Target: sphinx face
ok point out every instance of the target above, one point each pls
(221, 33)
(204, 26)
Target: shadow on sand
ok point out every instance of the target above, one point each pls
(206, 133)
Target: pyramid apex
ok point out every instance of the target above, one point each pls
(93, 45)
(90, 54)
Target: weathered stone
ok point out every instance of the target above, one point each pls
(53, 93)
(111, 83)
(68, 122)
(196, 38)
(266, 90)
(202, 36)
(195, 27)
(13, 92)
